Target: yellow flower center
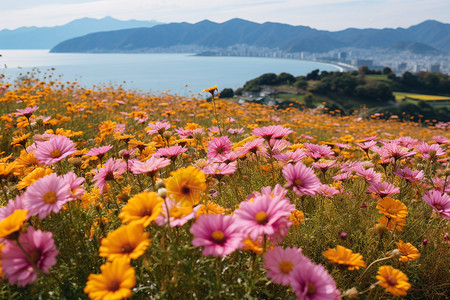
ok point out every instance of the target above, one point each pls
(55, 153)
(218, 171)
(391, 280)
(311, 288)
(261, 218)
(218, 237)
(298, 182)
(438, 207)
(50, 197)
(286, 267)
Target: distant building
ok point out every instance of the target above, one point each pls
(364, 62)
(435, 68)
(342, 55)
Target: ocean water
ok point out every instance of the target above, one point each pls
(149, 72)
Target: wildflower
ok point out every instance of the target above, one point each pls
(158, 127)
(395, 151)
(369, 175)
(218, 148)
(394, 212)
(265, 215)
(110, 171)
(6, 170)
(280, 263)
(312, 282)
(170, 152)
(149, 167)
(345, 257)
(75, 183)
(430, 151)
(27, 112)
(99, 152)
(11, 207)
(115, 282)
(394, 281)
(318, 151)
(290, 156)
(46, 195)
(185, 186)
(219, 169)
(297, 217)
(33, 176)
(143, 208)
(39, 246)
(408, 251)
(54, 150)
(211, 90)
(20, 140)
(128, 241)
(13, 223)
(210, 208)
(301, 179)
(272, 132)
(328, 191)
(439, 202)
(382, 189)
(216, 234)
(178, 215)
(410, 175)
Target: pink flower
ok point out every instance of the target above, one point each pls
(27, 112)
(410, 175)
(54, 150)
(257, 145)
(265, 215)
(184, 133)
(170, 152)
(46, 195)
(290, 156)
(301, 179)
(177, 217)
(75, 183)
(219, 169)
(281, 262)
(216, 234)
(218, 148)
(158, 127)
(383, 189)
(439, 201)
(149, 167)
(111, 171)
(12, 205)
(369, 175)
(99, 152)
(324, 165)
(327, 191)
(406, 141)
(272, 132)
(396, 151)
(236, 130)
(441, 139)
(312, 282)
(430, 151)
(318, 151)
(367, 145)
(39, 246)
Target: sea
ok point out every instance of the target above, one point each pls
(156, 73)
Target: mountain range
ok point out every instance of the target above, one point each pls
(48, 37)
(430, 37)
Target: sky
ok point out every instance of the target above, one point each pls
(330, 15)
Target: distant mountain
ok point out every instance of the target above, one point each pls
(48, 37)
(207, 34)
(414, 47)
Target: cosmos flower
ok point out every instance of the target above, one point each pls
(170, 152)
(178, 215)
(439, 201)
(115, 281)
(148, 167)
(112, 169)
(186, 185)
(408, 174)
(218, 170)
(345, 257)
(216, 234)
(142, 208)
(280, 263)
(158, 127)
(75, 183)
(290, 156)
(54, 150)
(129, 241)
(408, 251)
(99, 152)
(12, 206)
(430, 151)
(369, 175)
(39, 246)
(312, 282)
(46, 195)
(303, 180)
(218, 148)
(394, 281)
(382, 189)
(318, 151)
(264, 215)
(272, 132)
(27, 112)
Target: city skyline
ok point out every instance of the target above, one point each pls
(333, 15)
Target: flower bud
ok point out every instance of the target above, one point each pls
(351, 293)
(396, 253)
(167, 135)
(159, 184)
(162, 192)
(381, 228)
(343, 235)
(424, 242)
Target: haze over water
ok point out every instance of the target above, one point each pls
(150, 71)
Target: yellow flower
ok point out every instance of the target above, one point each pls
(394, 281)
(394, 212)
(345, 257)
(297, 217)
(408, 251)
(12, 223)
(211, 208)
(90, 198)
(32, 177)
(143, 208)
(6, 169)
(26, 160)
(115, 282)
(185, 186)
(20, 140)
(211, 89)
(128, 241)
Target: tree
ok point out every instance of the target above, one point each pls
(309, 99)
(301, 84)
(226, 93)
(285, 78)
(314, 75)
(386, 70)
(364, 70)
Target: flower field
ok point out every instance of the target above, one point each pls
(115, 194)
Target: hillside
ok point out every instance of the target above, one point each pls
(48, 37)
(235, 32)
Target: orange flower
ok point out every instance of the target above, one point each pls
(408, 251)
(345, 257)
(394, 281)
